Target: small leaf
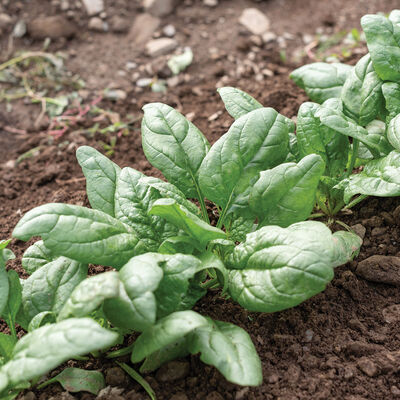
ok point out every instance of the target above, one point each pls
(237, 102)
(41, 319)
(7, 343)
(347, 245)
(178, 244)
(391, 93)
(36, 256)
(14, 297)
(393, 132)
(180, 62)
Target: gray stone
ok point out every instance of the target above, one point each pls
(115, 95)
(19, 29)
(368, 367)
(359, 230)
(391, 314)
(97, 24)
(144, 82)
(381, 269)
(169, 30)
(158, 47)
(53, 27)
(210, 3)
(93, 7)
(5, 21)
(119, 24)
(255, 21)
(160, 8)
(268, 37)
(143, 28)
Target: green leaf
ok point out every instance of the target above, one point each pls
(174, 145)
(383, 41)
(4, 284)
(256, 141)
(48, 288)
(362, 94)
(240, 227)
(228, 348)
(78, 380)
(286, 194)
(391, 93)
(393, 132)
(321, 81)
(347, 246)
(185, 220)
(314, 138)
(237, 102)
(41, 319)
(14, 298)
(7, 343)
(36, 256)
(178, 244)
(83, 234)
(101, 177)
(278, 268)
(180, 62)
(379, 177)
(45, 348)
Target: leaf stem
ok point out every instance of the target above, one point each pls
(355, 201)
(210, 284)
(120, 352)
(356, 143)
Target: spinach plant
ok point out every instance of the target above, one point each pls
(354, 120)
(165, 253)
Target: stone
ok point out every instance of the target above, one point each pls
(158, 47)
(19, 29)
(53, 27)
(214, 396)
(172, 371)
(368, 367)
(381, 269)
(29, 396)
(143, 28)
(210, 3)
(255, 21)
(119, 24)
(93, 7)
(160, 8)
(359, 230)
(110, 393)
(115, 94)
(144, 82)
(115, 376)
(169, 30)
(391, 314)
(5, 21)
(97, 24)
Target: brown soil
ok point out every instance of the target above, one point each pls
(341, 344)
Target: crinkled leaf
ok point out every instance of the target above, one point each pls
(256, 141)
(173, 145)
(178, 244)
(36, 256)
(379, 177)
(391, 93)
(393, 132)
(237, 102)
(45, 348)
(286, 194)
(182, 218)
(278, 268)
(362, 94)
(83, 234)
(48, 288)
(321, 81)
(41, 319)
(240, 227)
(383, 41)
(101, 177)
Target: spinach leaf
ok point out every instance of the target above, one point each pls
(393, 132)
(391, 93)
(36, 256)
(237, 102)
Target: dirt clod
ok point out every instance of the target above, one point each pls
(382, 269)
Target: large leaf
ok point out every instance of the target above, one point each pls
(314, 138)
(321, 81)
(85, 235)
(278, 268)
(174, 145)
(5, 255)
(383, 41)
(393, 132)
(391, 93)
(36, 256)
(379, 177)
(45, 348)
(237, 102)
(101, 177)
(362, 94)
(48, 288)
(255, 142)
(286, 194)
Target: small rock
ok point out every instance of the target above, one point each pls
(381, 269)
(144, 82)
(5, 21)
(53, 27)
(174, 81)
(268, 37)
(179, 396)
(160, 8)
(10, 164)
(63, 396)
(115, 376)
(359, 230)
(214, 396)
(158, 47)
(255, 21)
(143, 28)
(358, 348)
(387, 218)
(241, 394)
(391, 314)
(169, 30)
(348, 372)
(273, 378)
(119, 24)
(309, 334)
(29, 396)
(210, 3)
(395, 391)
(93, 7)
(97, 24)
(172, 371)
(19, 29)
(64, 6)
(130, 65)
(115, 94)
(368, 367)
(109, 393)
(379, 231)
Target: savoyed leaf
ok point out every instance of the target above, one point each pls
(237, 102)
(379, 177)
(362, 94)
(182, 218)
(239, 227)
(36, 256)
(83, 234)
(393, 132)
(178, 244)
(48, 288)
(321, 81)
(278, 268)
(173, 145)
(101, 177)
(41, 319)
(347, 246)
(383, 41)
(45, 348)
(286, 194)
(256, 141)
(391, 93)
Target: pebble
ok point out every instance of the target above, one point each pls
(368, 367)
(115, 94)
(64, 6)
(115, 376)
(93, 7)
(381, 269)
(268, 37)
(144, 82)
(391, 314)
(19, 29)
(241, 394)
(29, 396)
(169, 30)
(309, 334)
(172, 371)
(53, 27)
(5, 21)
(97, 24)
(110, 393)
(255, 21)
(379, 231)
(119, 24)
(210, 3)
(359, 230)
(159, 8)
(395, 391)
(143, 28)
(158, 47)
